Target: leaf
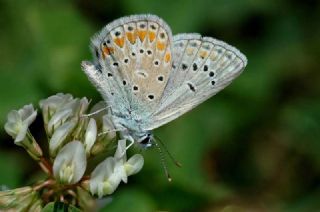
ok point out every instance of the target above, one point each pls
(59, 207)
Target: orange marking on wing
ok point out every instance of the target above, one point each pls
(189, 51)
(119, 41)
(107, 51)
(213, 56)
(131, 37)
(141, 34)
(152, 36)
(167, 57)
(160, 46)
(203, 54)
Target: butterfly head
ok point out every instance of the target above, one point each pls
(145, 140)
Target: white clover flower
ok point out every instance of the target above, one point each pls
(60, 135)
(17, 126)
(90, 135)
(53, 103)
(126, 168)
(59, 108)
(19, 122)
(108, 174)
(70, 163)
(103, 181)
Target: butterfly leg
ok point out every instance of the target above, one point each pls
(131, 140)
(131, 143)
(95, 112)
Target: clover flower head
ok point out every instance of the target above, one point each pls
(74, 137)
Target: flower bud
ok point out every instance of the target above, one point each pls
(17, 199)
(90, 136)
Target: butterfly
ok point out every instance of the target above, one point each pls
(148, 77)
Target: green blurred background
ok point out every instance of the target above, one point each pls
(255, 146)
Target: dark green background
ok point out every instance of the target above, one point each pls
(253, 146)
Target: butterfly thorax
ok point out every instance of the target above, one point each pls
(130, 129)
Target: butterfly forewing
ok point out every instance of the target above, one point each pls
(202, 67)
(135, 56)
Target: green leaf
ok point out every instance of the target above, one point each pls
(59, 207)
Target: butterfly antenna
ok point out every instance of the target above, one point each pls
(177, 163)
(162, 159)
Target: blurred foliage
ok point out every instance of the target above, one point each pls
(255, 146)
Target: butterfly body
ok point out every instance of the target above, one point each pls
(149, 77)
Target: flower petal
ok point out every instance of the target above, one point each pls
(121, 150)
(91, 135)
(103, 180)
(60, 135)
(58, 119)
(70, 163)
(134, 164)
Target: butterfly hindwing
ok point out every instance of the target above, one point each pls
(134, 54)
(202, 66)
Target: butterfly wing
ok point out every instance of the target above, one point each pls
(133, 59)
(202, 66)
